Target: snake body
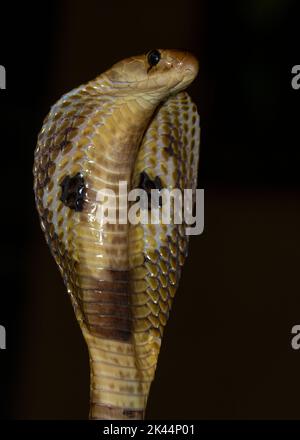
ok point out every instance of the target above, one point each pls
(134, 123)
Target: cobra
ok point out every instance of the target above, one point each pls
(133, 123)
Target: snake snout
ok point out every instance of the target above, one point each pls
(190, 64)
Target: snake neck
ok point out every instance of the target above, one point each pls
(121, 135)
(120, 380)
(117, 388)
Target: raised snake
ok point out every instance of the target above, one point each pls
(133, 123)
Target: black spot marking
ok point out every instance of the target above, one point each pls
(147, 185)
(73, 192)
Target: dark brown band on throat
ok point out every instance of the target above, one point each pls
(106, 307)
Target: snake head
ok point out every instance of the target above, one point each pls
(156, 74)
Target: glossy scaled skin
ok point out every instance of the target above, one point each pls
(130, 124)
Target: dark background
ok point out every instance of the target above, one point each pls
(226, 351)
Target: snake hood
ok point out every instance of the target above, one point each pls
(156, 75)
(133, 123)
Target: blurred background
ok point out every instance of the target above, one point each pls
(226, 352)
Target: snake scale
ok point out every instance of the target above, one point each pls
(135, 124)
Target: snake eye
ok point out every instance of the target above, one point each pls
(153, 57)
